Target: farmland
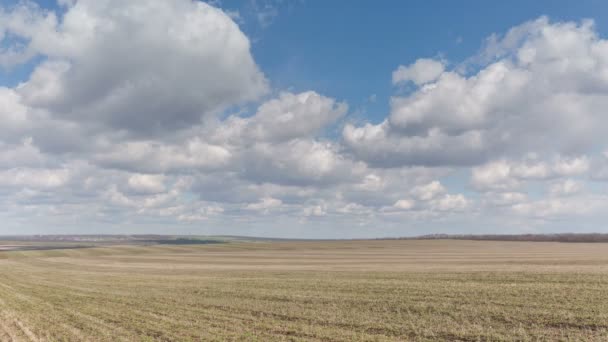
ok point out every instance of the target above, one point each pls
(381, 290)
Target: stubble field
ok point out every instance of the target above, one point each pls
(308, 291)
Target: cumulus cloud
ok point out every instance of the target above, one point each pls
(599, 167)
(281, 143)
(431, 197)
(542, 91)
(494, 176)
(142, 183)
(140, 66)
(22, 154)
(155, 113)
(451, 203)
(507, 175)
(153, 156)
(566, 187)
(500, 199)
(572, 166)
(13, 113)
(315, 210)
(298, 162)
(562, 207)
(24, 178)
(404, 204)
(428, 191)
(420, 72)
(287, 117)
(265, 204)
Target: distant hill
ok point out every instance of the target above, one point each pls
(102, 239)
(563, 237)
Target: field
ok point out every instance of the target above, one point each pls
(308, 291)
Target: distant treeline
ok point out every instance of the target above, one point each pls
(565, 237)
(112, 238)
(82, 237)
(184, 241)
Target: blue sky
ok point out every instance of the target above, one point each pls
(350, 51)
(303, 118)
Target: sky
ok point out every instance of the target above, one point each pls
(303, 119)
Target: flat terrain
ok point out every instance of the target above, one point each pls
(300, 291)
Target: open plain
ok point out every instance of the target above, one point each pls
(380, 290)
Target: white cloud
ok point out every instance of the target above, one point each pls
(298, 162)
(431, 197)
(451, 202)
(23, 154)
(290, 116)
(422, 71)
(13, 114)
(115, 197)
(34, 178)
(531, 170)
(151, 156)
(428, 191)
(265, 204)
(280, 143)
(542, 91)
(153, 115)
(493, 176)
(147, 184)
(507, 175)
(96, 73)
(572, 166)
(404, 204)
(315, 210)
(505, 198)
(371, 182)
(562, 207)
(566, 187)
(353, 209)
(198, 213)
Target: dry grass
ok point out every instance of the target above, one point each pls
(326, 291)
